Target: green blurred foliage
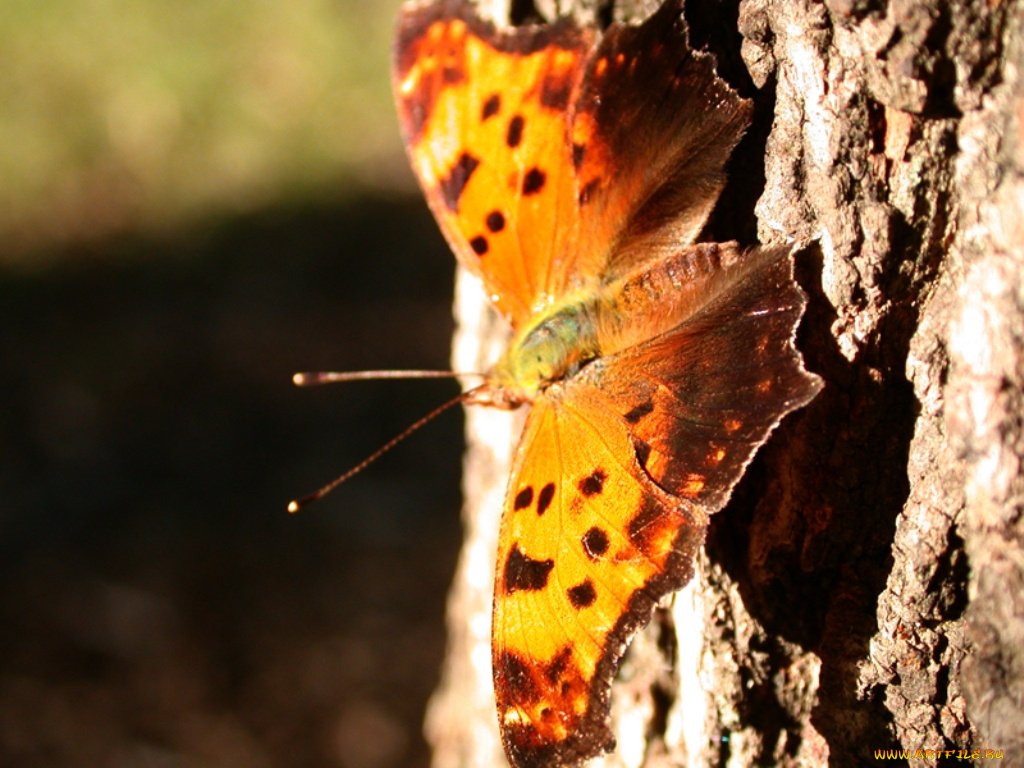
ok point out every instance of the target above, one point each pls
(150, 115)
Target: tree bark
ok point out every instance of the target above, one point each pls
(864, 589)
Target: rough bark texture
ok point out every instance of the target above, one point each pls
(864, 590)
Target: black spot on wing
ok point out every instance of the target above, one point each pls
(547, 493)
(534, 181)
(479, 245)
(523, 573)
(634, 415)
(515, 131)
(593, 484)
(491, 107)
(455, 182)
(495, 221)
(595, 543)
(582, 595)
(524, 498)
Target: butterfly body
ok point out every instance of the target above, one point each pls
(571, 171)
(604, 319)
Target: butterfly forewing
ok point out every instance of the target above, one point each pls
(652, 131)
(588, 543)
(485, 114)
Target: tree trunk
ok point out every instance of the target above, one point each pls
(864, 589)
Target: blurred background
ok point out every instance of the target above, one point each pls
(196, 200)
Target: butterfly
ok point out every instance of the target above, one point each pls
(571, 171)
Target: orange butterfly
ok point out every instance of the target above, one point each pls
(571, 171)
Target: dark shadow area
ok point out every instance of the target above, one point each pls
(159, 606)
(712, 28)
(811, 560)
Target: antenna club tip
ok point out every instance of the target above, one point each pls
(298, 380)
(293, 507)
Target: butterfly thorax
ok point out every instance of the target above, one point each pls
(600, 320)
(551, 348)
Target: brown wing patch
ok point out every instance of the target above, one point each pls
(700, 398)
(657, 125)
(536, 728)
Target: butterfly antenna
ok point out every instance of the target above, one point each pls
(329, 377)
(298, 504)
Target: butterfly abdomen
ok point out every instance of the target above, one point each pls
(658, 297)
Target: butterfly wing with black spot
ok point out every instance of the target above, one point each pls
(485, 116)
(588, 545)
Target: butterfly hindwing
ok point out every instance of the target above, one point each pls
(701, 398)
(652, 130)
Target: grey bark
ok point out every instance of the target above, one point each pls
(864, 589)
